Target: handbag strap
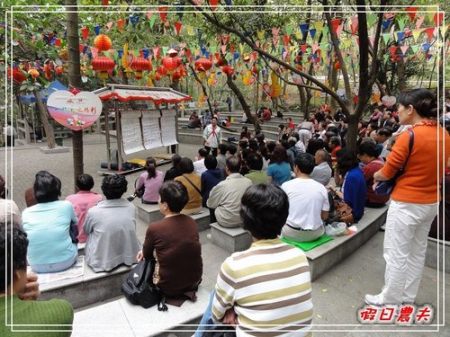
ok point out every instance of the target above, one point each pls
(190, 182)
(411, 144)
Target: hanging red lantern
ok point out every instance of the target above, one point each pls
(17, 74)
(227, 70)
(59, 70)
(157, 77)
(337, 65)
(172, 52)
(139, 65)
(221, 62)
(203, 64)
(103, 64)
(171, 63)
(33, 73)
(161, 70)
(48, 70)
(177, 74)
(102, 42)
(255, 69)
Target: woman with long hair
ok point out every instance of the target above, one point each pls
(415, 198)
(279, 170)
(151, 180)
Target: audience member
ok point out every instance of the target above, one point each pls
(210, 178)
(335, 146)
(225, 198)
(308, 203)
(232, 150)
(83, 201)
(151, 181)
(222, 157)
(111, 227)
(353, 185)
(20, 311)
(8, 208)
(322, 171)
(173, 172)
(174, 243)
(51, 226)
(199, 163)
(368, 154)
(192, 182)
(279, 170)
(256, 174)
(382, 138)
(254, 290)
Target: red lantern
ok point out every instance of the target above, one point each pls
(139, 65)
(157, 77)
(48, 70)
(255, 69)
(59, 70)
(172, 52)
(161, 70)
(33, 73)
(228, 70)
(18, 75)
(103, 64)
(177, 74)
(171, 63)
(103, 42)
(203, 64)
(337, 65)
(221, 62)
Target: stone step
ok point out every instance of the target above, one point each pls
(120, 318)
(87, 289)
(230, 239)
(150, 213)
(322, 258)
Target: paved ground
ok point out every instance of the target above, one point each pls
(337, 295)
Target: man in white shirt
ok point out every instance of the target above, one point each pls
(308, 203)
(199, 164)
(322, 170)
(10, 134)
(212, 136)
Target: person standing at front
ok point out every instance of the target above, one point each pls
(212, 136)
(415, 197)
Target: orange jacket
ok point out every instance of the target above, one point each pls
(424, 170)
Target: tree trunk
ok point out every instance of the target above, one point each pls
(45, 123)
(205, 93)
(352, 131)
(74, 82)
(401, 75)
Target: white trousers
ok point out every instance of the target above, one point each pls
(405, 245)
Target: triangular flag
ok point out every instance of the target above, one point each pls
(190, 30)
(120, 24)
(304, 29)
(416, 33)
(312, 33)
(400, 36)
(275, 31)
(420, 21)
(346, 42)
(178, 26)
(260, 34)
(152, 21)
(371, 18)
(401, 23)
(109, 26)
(286, 39)
(386, 38)
(325, 30)
(315, 47)
(438, 17)
(414, 48)
(386, 23)
(318, 25)
(223, 48)
(404, 49)
(426, 46)
(289, 29)
(393, 50)
(354, 24)
(339, 30)
(430, 32)
(385, 58)
(430, 16)
(443, 30)
(335, 24)
(411, 12)
(149, 15)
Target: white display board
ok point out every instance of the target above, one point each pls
(151, 132)
(131, 131)
(168, 128)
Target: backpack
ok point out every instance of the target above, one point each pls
(139, 289)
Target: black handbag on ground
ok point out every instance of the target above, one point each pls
(139, 289)
(386, 187)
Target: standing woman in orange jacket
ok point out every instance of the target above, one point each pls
(415, 198)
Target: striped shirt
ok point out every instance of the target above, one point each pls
(269, 286)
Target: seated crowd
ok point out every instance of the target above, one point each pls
(274, 190)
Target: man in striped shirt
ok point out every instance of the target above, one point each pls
(267, 288)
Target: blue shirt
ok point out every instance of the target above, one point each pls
(280, 173)
(47, 226)
(354, 189)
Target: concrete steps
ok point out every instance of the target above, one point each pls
(322, 258)
(88, 289)
(230, 239)
(120, 318)
(150, 213)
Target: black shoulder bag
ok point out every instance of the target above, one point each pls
(139, 289)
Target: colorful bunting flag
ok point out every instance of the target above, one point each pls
(411, 12)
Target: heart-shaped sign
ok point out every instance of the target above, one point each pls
(75, 112)
(388, 100)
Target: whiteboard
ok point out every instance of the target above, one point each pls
(131, 132)
(168, 131)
